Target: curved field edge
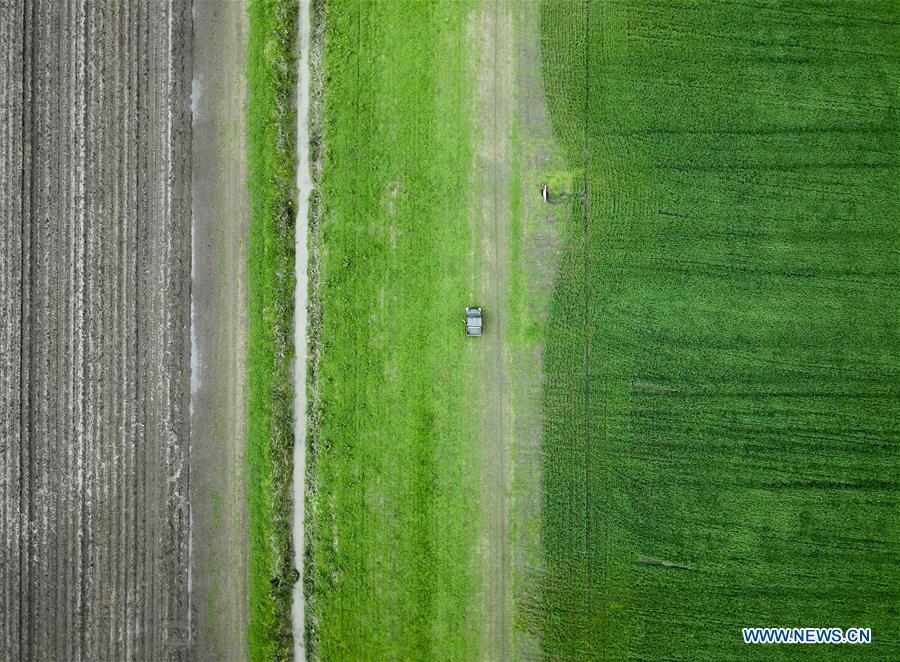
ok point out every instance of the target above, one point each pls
(272, 74)
(721, 364)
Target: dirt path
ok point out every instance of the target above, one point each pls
(510, 90)
(495, 108)
(219, 332)
(301, 262)
(94, 348)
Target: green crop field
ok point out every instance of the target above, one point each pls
(722, 436)
(393, 506)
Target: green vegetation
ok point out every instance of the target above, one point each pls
(272, 78)
(722, 360)
(394, 501)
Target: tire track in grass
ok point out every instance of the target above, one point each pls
(495, 94)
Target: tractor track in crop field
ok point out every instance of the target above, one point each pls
(94, 349)
(495, 108)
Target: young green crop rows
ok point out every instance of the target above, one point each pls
(723, 360)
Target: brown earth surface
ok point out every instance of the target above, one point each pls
(95, 255)
(221, 215)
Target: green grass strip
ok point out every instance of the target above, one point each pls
(271, 126)
(395, 508)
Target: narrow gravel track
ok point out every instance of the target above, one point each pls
(301, 340)
(94, 282)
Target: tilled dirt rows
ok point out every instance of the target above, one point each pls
(94, 293)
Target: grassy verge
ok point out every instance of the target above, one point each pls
(272, 76)
(394, 513)
(721, 435)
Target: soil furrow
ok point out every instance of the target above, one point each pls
(129, 359)
(63, 494)
(11, 93)
(24, 507)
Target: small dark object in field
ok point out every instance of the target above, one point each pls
(551, 199)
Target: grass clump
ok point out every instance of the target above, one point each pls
(272, 74)
(722, 359)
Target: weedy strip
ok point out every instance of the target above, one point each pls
(272, 74)
(314, 307)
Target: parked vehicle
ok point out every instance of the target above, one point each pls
(474, 321)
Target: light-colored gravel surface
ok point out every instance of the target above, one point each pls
(94, 282)
(301, 263)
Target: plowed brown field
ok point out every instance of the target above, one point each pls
(95, 257)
